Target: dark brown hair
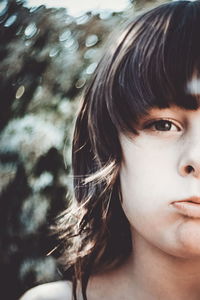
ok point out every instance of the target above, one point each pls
(148, 65)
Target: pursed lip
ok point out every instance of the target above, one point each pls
(189, 207)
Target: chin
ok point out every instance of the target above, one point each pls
(189, 249)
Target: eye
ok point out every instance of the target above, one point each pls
(162, 125)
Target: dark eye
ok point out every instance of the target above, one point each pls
(162, 125)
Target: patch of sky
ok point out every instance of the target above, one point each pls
(105, 14)
(77, 8)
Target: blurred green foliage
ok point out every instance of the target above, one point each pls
(46, 59)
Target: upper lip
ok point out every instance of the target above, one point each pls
(193, 199)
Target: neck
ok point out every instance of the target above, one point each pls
(154, 274)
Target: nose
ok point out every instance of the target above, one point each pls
(190, 163)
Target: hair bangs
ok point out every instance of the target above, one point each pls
(158, 64)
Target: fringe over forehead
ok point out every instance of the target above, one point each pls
(151, 64)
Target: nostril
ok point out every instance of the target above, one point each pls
(189, 169)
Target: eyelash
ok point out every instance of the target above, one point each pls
(152, 125)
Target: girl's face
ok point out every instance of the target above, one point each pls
(160, 180)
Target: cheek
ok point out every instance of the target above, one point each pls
(148, 181)
(147, 210)
(146, 176)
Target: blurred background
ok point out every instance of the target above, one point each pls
(48, 52)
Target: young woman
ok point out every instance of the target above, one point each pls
(133, 229)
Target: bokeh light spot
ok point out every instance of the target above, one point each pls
(91, 40)
(80, 83)
(30, 30)
(10, 21)
(20, 92)
(91, 68)
(65, 36)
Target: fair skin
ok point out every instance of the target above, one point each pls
(160, 165)
(59, 290)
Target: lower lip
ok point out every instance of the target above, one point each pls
(189, 209)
